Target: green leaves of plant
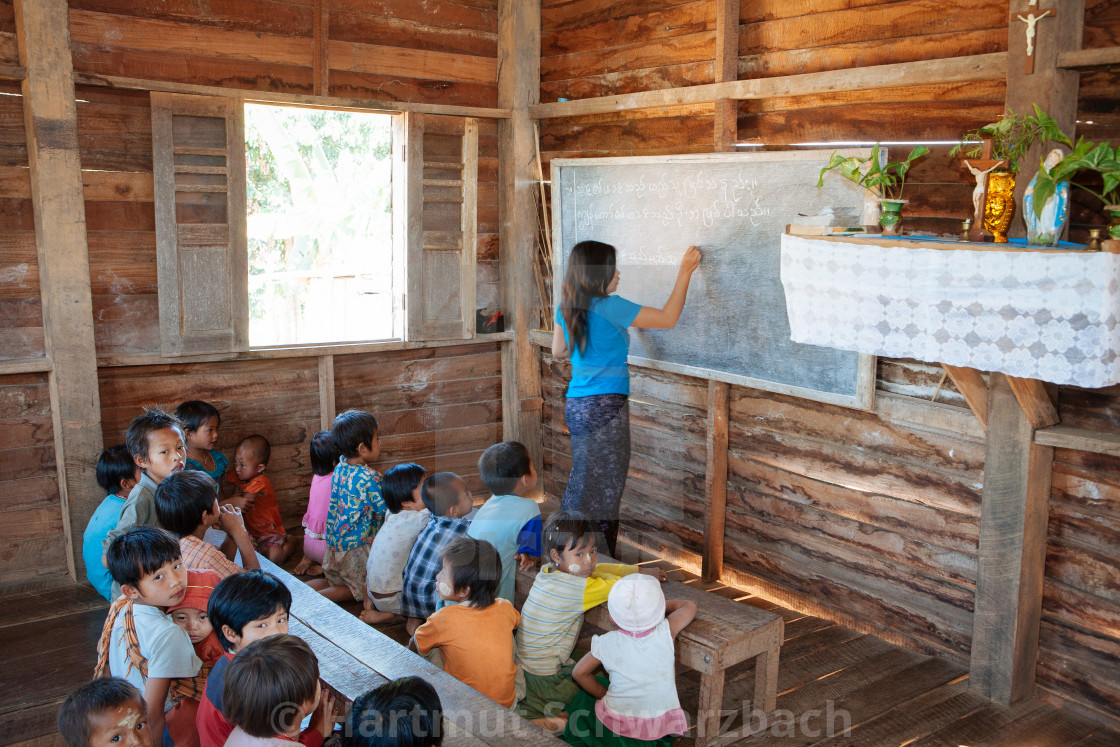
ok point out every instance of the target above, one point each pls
(878, 179)
(1085, 156)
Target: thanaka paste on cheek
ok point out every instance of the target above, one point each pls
(574, 568)
(444, 589)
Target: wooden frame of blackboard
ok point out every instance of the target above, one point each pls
(864, 396)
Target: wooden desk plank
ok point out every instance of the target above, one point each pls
(470, 717)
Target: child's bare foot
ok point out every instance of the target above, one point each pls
(552, 724)
(306, 568)
(375, 617)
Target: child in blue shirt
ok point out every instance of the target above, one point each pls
(116, 474)
(509, 521)
(357, 509)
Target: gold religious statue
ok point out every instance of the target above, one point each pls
(999, 205)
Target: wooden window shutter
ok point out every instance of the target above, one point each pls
(198, 159)
(441, 155)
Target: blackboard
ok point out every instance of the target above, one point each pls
(734, 206)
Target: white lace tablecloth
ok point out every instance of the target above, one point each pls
(1037, 315)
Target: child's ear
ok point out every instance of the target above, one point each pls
(130, 591)
(554, 557)
(141, 461)
(231, 636)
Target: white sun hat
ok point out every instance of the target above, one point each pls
(636, 603)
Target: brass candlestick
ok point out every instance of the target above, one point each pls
(1094, 240)
(966, 228)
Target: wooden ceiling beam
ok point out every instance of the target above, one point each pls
(952, 69)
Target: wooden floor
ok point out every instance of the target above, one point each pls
(835, 687)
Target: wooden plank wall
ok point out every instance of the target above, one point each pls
(1098, 109)
(437, 406)
(21, 311)
(31, 522)
(1079, 644)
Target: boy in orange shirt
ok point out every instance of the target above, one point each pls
(262, 515)
(475, 636)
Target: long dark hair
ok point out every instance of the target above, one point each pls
(590, 270)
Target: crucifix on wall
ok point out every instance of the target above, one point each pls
(1032, 20)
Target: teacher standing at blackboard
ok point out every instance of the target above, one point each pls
(591, 326)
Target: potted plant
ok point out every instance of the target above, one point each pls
(1011, 136)
(885, 181)
(1101, 158)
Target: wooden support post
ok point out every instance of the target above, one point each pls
(1052, 88)
(725, 68)
(320, 63)
(519, 39)
(1013, 515)
(327, 405)
(971, 385)
(715, 481)
(51, 122)
(1035, 401)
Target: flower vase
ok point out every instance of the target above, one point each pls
(1114, 224)
(999, 205)
(1046, 229)
(890, 216)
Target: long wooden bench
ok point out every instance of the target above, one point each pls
(724, 633)
(354, 658)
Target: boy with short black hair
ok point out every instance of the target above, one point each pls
(107, 712)
(117, 474)
(155, 442)
(139, 642)
(564, 589)
(269, 689)
(243, 608)
(262, 515)
(475, 634)
(508, 520)
(446, 496)
(402, 713)
(187, 506)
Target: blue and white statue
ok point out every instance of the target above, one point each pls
(1046, 230)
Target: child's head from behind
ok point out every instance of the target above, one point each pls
(265, 679)
(400, 487)
(148, 565)
(200, 423)
(324, 454)
(355, 434)
(401, 713)
(190, 614)
(251, 457)
(471, 571)
(117, 472)
(507, 468)
(185, 501)
(155, 441)
(571, 543)
(445, 494)
(636, 603)
(247, 607)
(106, 712)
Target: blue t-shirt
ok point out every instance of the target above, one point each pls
(601, 367)
(104, 520)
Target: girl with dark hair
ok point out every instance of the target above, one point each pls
(591, 327)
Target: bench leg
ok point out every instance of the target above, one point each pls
(766, 680)
(711, 705)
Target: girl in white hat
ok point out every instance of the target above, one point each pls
(640, 704)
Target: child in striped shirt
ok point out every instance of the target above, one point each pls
(572, 583)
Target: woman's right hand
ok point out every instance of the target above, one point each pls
(691, 259)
